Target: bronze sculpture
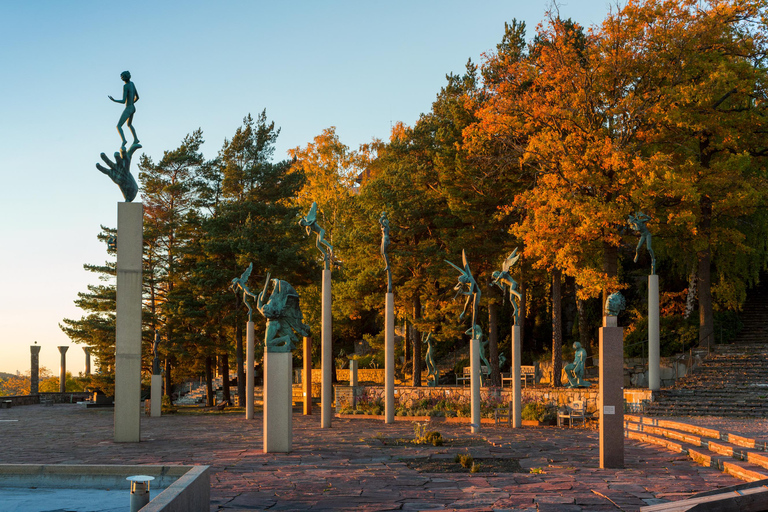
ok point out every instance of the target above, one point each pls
(504, 280)
(130, 97)
(309, 222)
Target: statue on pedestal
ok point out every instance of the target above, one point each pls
(433, 373)
(575, 370)
(283, 316)
(503, 280)
(241, 284)
(467, 286)
(384, 221)
(156, 356)
(615, 304)
(130, 96)
(310, 224)
(637, 223)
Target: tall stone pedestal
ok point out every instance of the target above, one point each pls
(517, 393)
(353, 373)
(389, 359)
(611, 396)
(128, 323)
(250, 350)
(156, 396)
(474, 363)
(87, 351)
(34, 370)
(63, 370)
(306, 380)
(278, 391)
(327, 353)
(654, 350)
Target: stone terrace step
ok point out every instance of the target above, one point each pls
(741, 457)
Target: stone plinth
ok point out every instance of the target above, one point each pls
(128, 323)
(327, 352)
(389, 360)
(278, 410)
(654, 350)
(34, 371)
(250, 353)
(517, 397)
(611, 394)
(306, 379)
(87, 351)
(63, 370)
(156, 396)
(474, 363)
(352, 372)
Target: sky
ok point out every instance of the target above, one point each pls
(358, 66)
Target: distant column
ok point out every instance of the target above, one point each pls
(326, 352)
(654, 352)
(611, 394)
(87, 351)
(34, 373)
(63, 370)
(306, 378)
(389, 360)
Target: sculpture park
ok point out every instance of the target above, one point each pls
(544, 292)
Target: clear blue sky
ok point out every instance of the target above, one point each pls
(359, 66)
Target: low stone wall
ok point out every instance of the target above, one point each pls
(56, 398)
(364, 375)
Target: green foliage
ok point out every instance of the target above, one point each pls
(465, 459)
(539, 411)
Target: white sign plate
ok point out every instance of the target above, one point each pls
(609, 409)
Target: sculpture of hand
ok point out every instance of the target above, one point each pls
(120, 171)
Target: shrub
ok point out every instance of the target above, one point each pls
(539, 411)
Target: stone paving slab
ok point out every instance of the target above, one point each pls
(345, 468)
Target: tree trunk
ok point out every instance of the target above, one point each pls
(209, 381)
(224, 360)
(406, 342)
(493, 343)
(584, 329)
(706, 324)
(610, 266)
(416, 343)
(523, 300)
(557, 329)
(690, 299)
(168, 380)
(240, 360)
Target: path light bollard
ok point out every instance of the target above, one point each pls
(139, 491)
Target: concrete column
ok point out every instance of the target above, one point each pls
(474, 363)
(278, 396)
(353, 373)
(156, 396)
(517, 393)
(654, 350)
(87, 351)
(327, 352)
(250, 353)
(63, 370)
(306, 380)
(389, 359)
(34, 371)
(611, 395)
(130, 224)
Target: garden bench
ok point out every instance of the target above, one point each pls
(466, 375)
(6, 404)
(527, 373)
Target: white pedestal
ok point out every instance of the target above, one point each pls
(389, 360)
(611, 395)
(156, 396)
(517, 394)
(327, 353)
(654, 350)
(278, 395)
(130, 223)
(353, 373)
(474, 363)
(250, 342)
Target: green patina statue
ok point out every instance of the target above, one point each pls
(240, 284)
(575, 370)
(615, 304)
(120, 172)
(467, 286)
(384, 221)
(310, 224)
(433, 373)
(283, 316)
(637, 223)
(155, 354)
(130, 97)
(503, 280)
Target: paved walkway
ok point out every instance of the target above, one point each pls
(348, 468)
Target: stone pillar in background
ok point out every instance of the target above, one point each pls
(353, 373)
(87, 351)
(654, 350)
(63, 370)
(278, 410)
(389, 360)
(327, 352)
(517, 395)
(250, 356)
(130, 224)
(474, 383)
(306, 377)
(34, 371)
(611, 395)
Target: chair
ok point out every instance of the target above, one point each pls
(573, 412)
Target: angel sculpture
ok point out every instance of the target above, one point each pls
(432, 370)
(637, 223)
(504, 278)
(241, 284)
(467, 286)
(283, 316)
(310, 224)
(120, 171)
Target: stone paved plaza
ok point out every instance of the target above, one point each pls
(348, 467)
